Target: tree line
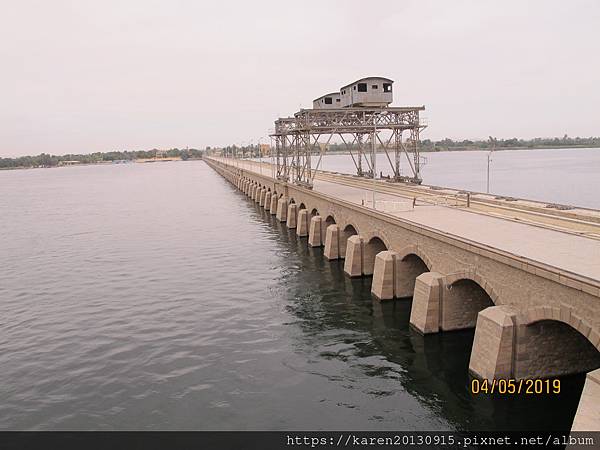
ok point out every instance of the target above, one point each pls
(428, 145)
(47, 160)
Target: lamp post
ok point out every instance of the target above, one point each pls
(489, 159)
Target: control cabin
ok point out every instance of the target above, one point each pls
(367, 92)
(328, 101)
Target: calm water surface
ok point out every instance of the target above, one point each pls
(157, 296)
(568, 176)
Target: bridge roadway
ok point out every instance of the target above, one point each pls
(527, 278)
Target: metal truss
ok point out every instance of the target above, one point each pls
(363, 131)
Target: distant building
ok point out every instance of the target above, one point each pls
(265, 149)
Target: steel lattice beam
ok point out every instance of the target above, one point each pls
(297, 139)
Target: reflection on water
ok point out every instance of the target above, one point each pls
(159, 297)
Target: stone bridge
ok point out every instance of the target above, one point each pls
(531, 319)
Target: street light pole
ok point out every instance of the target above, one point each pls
(489, 159)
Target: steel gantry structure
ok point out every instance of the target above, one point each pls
(362, 130)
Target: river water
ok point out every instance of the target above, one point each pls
(568, 176)
(157, 296)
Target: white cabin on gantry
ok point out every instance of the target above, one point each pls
(373, 92)
(328, 101)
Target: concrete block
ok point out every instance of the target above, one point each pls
(259, 195)
(353, 263)
(384, 272)
(587, 417)
(302, 223)
(332, 236)
(282, 208)
(314, 232)
(267, 202)
(273, 205)
(292, 215)
(427, 298)
(262, 196)
(492, 352)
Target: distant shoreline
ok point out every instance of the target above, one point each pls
(101, 163)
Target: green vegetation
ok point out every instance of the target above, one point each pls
(514, 143)
(427, 145)
(46, 160)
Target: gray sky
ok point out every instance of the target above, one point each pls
(86, 76)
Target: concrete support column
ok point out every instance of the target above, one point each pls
(384, 275)
(267, 201)
(587, 417)
(302, 223)
(282, 207)
(427, 302)
(492, 354)
(273, 204)
(246, 186)
(262, 197)
(314, 232)
(332, 245)
(259, 193)
(253, 191)
(353, 266)
(292, 211)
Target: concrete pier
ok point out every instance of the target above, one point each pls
(314, 232)
(492, 354)
(282, 209)
(587, 417)
(267, 201)
(302, 223)
(426, 306)
(353, 265)
(292, 215)
(332, 245)
(273, 204)
(383, 286)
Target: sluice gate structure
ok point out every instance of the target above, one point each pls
(532, 292)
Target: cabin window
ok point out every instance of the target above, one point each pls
(362, 87)
(374, 86)
(387, 87)
(337, 100)
(328, 100)
(353, 88)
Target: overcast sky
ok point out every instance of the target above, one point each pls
(84, 76)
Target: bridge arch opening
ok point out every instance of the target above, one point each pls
(302, 206)
(370, 250)
(349, 230)
(462, 300)
(550, 347)
(314, 212)
(408, 268)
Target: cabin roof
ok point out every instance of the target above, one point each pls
(367, 78)
(332, 94)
